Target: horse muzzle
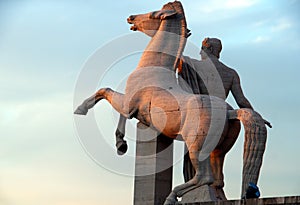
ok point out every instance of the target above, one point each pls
(130, 21)
(133, 28)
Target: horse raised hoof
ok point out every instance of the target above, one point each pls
(121, 147)
(120, 142)
(81, 110)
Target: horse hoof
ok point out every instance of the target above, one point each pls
(170, 202)
(218, 184)
(121, 147)
(80, 111)
(171, 199)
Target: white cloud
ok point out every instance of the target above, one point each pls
(235, 4)
(219, 5)
(261, 39)
(282, 24)
(260, 23)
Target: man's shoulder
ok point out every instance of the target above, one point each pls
(228, 69)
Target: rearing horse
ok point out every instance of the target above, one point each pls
(154, 98)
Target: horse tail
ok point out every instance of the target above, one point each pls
(254, 145)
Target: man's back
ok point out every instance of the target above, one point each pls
(212, 77)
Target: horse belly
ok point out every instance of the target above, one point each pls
(166, 122)
(166, 112)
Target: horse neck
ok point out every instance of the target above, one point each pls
(166, 46)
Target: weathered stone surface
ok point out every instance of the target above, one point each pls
(153, 167)
(201, 194)
(264, 201)
(210, 76)
(153, 96)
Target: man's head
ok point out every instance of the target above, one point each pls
(211, 46)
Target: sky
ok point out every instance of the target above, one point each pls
(47, 46)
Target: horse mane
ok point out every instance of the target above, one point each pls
(176, 5)
(184, 32)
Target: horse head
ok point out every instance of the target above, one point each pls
(149, 23)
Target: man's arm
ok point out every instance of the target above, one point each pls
(238, 94)
(239, 97)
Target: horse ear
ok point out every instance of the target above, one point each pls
(167, 14)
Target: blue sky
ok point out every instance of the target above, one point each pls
(44, 45)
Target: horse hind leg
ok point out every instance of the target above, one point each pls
(218, 156)
(203, 175)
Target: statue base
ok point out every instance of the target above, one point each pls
(269, 201)
(201, 194)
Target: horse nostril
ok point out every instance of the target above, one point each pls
(131, 18)
(133, 28)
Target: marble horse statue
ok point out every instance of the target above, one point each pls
(153, 96)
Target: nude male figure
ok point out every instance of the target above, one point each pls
(210, 50)
(201, 79)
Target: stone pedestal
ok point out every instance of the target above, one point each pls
(201, 194)
(292, 200)
(153, 167)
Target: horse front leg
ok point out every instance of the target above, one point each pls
(114, 98)
(120, 133)
(90, 102)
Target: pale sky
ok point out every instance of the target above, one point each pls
(44, 48)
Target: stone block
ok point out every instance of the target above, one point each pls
(153, 167)
(201, 194)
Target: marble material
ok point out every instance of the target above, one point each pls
(292, 200)
(201, 194)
